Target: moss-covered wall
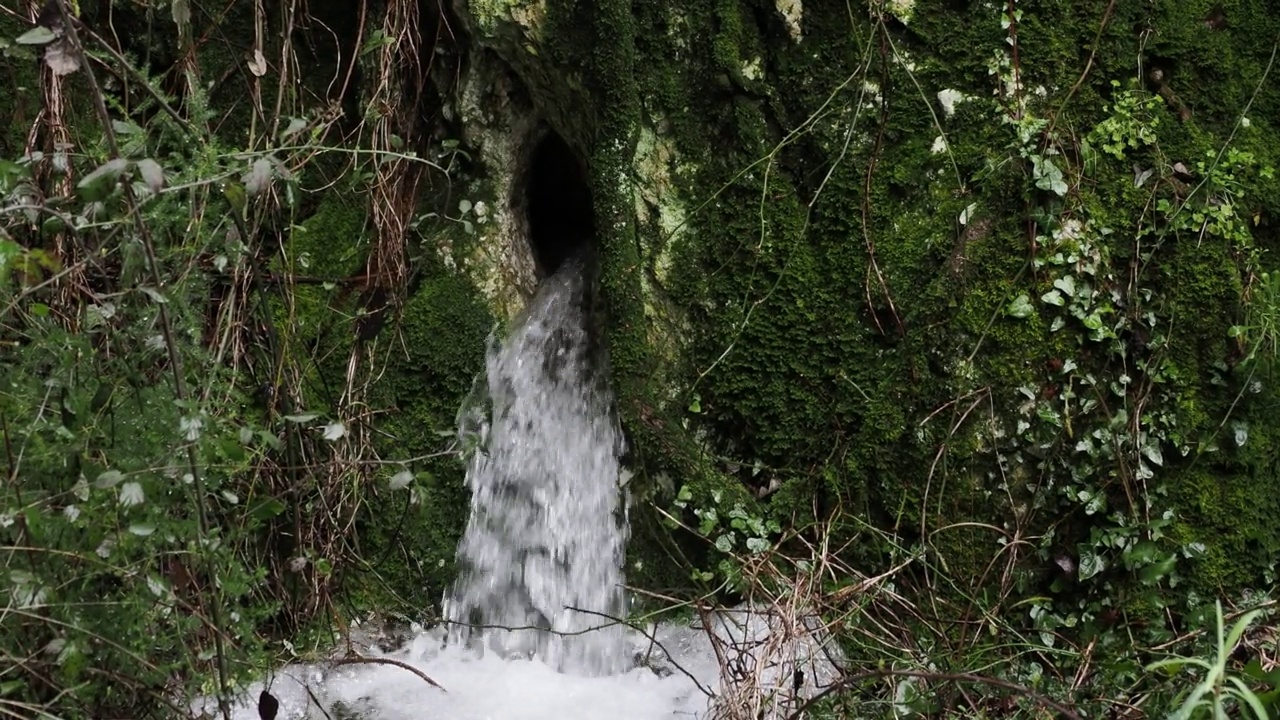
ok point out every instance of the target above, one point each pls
(853, 334)
(945, 262)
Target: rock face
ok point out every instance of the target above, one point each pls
(949, 263)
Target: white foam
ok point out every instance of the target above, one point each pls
(674, 676)
(489, 687)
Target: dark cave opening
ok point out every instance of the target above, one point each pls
(561, 218)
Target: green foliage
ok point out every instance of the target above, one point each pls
(1018, 332)
(212, 449)
(1222, 694)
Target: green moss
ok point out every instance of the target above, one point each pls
(426, 361)
(411, 545)
(842, 318)
(1234, 521)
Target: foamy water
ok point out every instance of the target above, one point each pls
(492, 688)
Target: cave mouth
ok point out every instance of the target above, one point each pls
(558, 199)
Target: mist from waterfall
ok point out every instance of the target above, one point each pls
(540, 564)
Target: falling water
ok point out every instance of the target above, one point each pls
(540, 565)
(543, 551)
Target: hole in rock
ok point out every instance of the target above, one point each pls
(561, 221)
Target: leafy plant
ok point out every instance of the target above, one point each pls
(1221, 693)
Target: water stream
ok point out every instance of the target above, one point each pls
(540, 565)
(527, 632)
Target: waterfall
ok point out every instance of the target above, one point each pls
(545, 537)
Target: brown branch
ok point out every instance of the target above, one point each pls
(363, 660)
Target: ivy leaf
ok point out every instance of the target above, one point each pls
(1152, 574)
(1021, 307)
(1090, 564)
(1053, 297)
(1152, 451)
(1067, 284)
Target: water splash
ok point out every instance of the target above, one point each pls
(540, 564)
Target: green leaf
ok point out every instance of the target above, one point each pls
(400, 480)
(1152, 574)
(271, 439)
(266, 509)
(1090, 565)
(304, 418)
(151, 173)
(36, 36)
(11, 687)
(295, 126)
(53, 225)
(107, 479)
(1020, 307)
(1067, 284)
(98, 184)
(1053, 297)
